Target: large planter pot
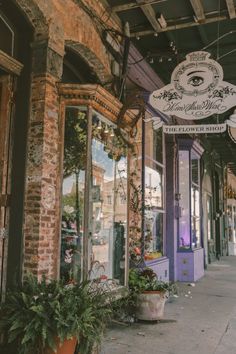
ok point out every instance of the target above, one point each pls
(150, 305)
(67, 347)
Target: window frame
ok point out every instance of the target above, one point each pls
(161, 210)
(95, 99)
(194, 149)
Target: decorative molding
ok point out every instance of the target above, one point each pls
(10, 64)
(96, 97)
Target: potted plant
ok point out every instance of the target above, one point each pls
(150, 293)
(49, 317)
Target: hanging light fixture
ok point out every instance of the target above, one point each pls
(112, 132)
(106, 131)
(99, 126)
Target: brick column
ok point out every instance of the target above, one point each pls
(42, 209)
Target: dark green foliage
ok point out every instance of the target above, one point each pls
(35, 314)
(75, 142)
(145, 279)
(140, 280)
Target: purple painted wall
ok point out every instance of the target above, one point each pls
(190, 265)
(160, 267)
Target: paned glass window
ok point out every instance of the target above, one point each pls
(184, 203)
(189, 235)
(209, 218)
(154, 193)
(195, 200)
(73, 189)
(106, 204)
(109, 214)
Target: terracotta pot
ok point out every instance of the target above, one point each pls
(67, 347)
(150, 305)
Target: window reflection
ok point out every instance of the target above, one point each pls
(154, 199)
(109, 202)
(184, 180)
(189, 225)
(209, 217)
(107, 216)
(73, 192)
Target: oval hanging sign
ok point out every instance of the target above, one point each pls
(197, 89)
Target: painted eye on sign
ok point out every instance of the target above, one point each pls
(196, 91)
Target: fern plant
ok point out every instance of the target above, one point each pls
(36, 314)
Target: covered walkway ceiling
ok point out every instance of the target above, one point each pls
(164, 31)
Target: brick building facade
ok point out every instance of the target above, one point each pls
(48, 38)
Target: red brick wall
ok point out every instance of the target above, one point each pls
(41, 199)
(56, 22)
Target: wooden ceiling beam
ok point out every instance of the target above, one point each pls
(178, 26)
(203, 35)
(231, 8)
(133, 5)
(150, 14)
(198, 10)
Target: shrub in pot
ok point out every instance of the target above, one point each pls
(42, 317)
(150, 293)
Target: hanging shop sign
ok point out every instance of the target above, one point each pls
(197, 89)
(229, 124)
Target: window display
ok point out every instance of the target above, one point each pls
(73, 192)
(154, 194)
(189, 235)
(195, 200)
(209, 218)
(184, 180)
(107, 204)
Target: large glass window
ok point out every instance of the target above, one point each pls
(109, 201)
(189, 199)
(195, 200)
(103, 172)
(154, 193)
(209, 218)
(73, 189)
(184, 181)
(7, 36)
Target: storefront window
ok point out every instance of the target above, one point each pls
(184, 180)
(209, 217)
(195, 201)
(73, 192)
(154, 195)
(7, 36)
(189, 199)
(107, 201)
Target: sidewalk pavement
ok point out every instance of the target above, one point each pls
(201, 320)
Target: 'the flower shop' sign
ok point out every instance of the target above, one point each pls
(196, 91)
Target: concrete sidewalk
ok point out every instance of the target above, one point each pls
(201, 320)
